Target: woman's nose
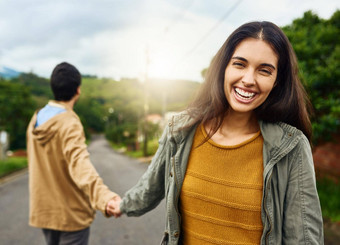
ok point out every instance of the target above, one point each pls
(248, 79)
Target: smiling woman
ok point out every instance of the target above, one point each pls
(237, 167)
(250, 75)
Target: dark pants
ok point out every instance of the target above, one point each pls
(54, 237)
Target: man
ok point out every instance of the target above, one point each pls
(65, 189)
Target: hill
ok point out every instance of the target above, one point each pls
(7, 73)
(126, 97)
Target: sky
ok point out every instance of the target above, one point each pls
(171, 39)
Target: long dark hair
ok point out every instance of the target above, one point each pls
(287, 102)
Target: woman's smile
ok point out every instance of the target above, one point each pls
(244, 96)
(250, 75)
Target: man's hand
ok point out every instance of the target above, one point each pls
(112, 207)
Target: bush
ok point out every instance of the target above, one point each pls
(124, 133)
(329, 194)
(16, 109)
(316, 44)
(12, 164)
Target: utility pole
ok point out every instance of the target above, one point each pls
(146, 103)
(164, 100)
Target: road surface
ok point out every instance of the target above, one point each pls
(118, 172)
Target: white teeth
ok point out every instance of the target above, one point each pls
(244, 94)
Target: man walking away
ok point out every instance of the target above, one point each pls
(65, 189)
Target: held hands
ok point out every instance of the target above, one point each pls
(112, 207)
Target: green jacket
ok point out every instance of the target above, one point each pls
(290, 213)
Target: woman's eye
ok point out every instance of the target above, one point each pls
(238, 64)
(266, 71)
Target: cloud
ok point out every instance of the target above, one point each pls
(95, 45)
(110, 37)
(24, 22)
(55, 30)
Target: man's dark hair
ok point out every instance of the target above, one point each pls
(65, 80)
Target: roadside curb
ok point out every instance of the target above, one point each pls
(12, 176)
(145, 159)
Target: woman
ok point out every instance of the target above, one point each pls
(236, 167)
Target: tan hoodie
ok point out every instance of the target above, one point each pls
(65, 189)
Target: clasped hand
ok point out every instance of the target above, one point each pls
(112, 207)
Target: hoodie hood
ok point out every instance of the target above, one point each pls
(45, 132)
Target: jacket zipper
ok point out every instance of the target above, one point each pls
(176, 181)
(265, 208)
(177, 194)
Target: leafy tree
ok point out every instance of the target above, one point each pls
(16, 107)
(127, 110)
(316, 43)
(91, 112)
(39, 86)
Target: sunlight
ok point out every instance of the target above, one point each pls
(161, 65)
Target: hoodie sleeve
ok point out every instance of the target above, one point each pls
(80, 167)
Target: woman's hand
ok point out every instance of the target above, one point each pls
(112, 207)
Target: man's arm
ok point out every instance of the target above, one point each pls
(81, 169)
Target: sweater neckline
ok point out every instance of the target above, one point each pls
(210, 141)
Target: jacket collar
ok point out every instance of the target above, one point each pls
(278, 140)
(277, 136)
(178, 126)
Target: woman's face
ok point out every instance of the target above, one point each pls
(250, 75)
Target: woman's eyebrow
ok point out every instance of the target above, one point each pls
(239, 58)
(269, 65)
(245, 60)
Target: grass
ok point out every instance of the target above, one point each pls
(12, 164)
(329, 194)
(152, 148)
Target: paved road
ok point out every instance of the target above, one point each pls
(119, 173)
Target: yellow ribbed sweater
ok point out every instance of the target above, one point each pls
(220, 201)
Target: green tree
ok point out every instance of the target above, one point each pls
(39, 86)
(91, 112)
(316, 44)
(127, 105)
(16, 107)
